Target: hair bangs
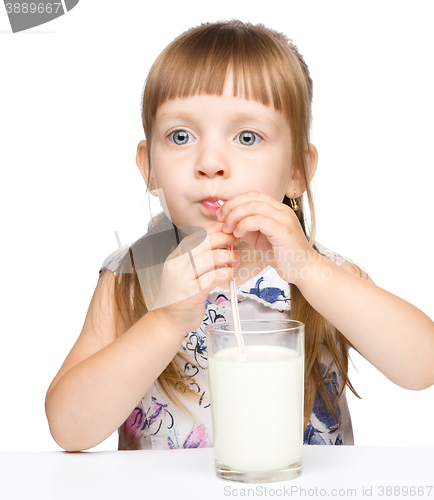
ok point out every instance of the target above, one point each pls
(200, 61)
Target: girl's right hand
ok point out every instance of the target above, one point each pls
(191, 272)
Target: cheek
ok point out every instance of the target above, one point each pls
(269, 175)
(155, 153)
(159, 166)
(276, 190)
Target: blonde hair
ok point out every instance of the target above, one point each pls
(266, 67)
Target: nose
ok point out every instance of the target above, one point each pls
(212, 160)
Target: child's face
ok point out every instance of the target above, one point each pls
(218, 146)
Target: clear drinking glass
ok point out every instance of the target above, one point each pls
(257, 399)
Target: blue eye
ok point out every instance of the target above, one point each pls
(180, 137)
(249, 138)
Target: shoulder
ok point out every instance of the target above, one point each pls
(157, 241)
(113, 260)
(343, 262)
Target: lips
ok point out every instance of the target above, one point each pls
(210, 204)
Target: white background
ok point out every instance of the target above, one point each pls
(70, 122)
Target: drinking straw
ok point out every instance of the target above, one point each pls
(234, 305)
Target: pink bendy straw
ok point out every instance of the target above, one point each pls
(234, 305)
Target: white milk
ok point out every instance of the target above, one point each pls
(257, 407)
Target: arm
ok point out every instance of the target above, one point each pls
(110, 367)
(392, 334)
(104, 377)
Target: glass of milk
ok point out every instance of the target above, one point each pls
(257, 399)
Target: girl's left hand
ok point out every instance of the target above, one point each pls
(272, 228)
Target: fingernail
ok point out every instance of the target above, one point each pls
(223, 227)
(218, 213)
(237, 240)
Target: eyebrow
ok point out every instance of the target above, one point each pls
(240, 117)
(236, 118)
(182, 115)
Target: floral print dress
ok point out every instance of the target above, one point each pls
(156, 423)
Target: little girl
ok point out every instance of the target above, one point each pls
(227, 114)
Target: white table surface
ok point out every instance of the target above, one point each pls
(189, 474)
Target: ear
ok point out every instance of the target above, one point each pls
(296, 182)
(143, 164)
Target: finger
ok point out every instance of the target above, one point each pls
(252, 208)
(204, 284)
(214, 241)
(206, 262)
(268, 226)
(215, 278)
(198, 241)
(214, 267)
(243, 198)
(210, 254)
(193, 240)
(183, 279)
(214, 227)
(197, 236)
(222, 239)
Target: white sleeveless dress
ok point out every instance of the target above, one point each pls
(156, 423)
